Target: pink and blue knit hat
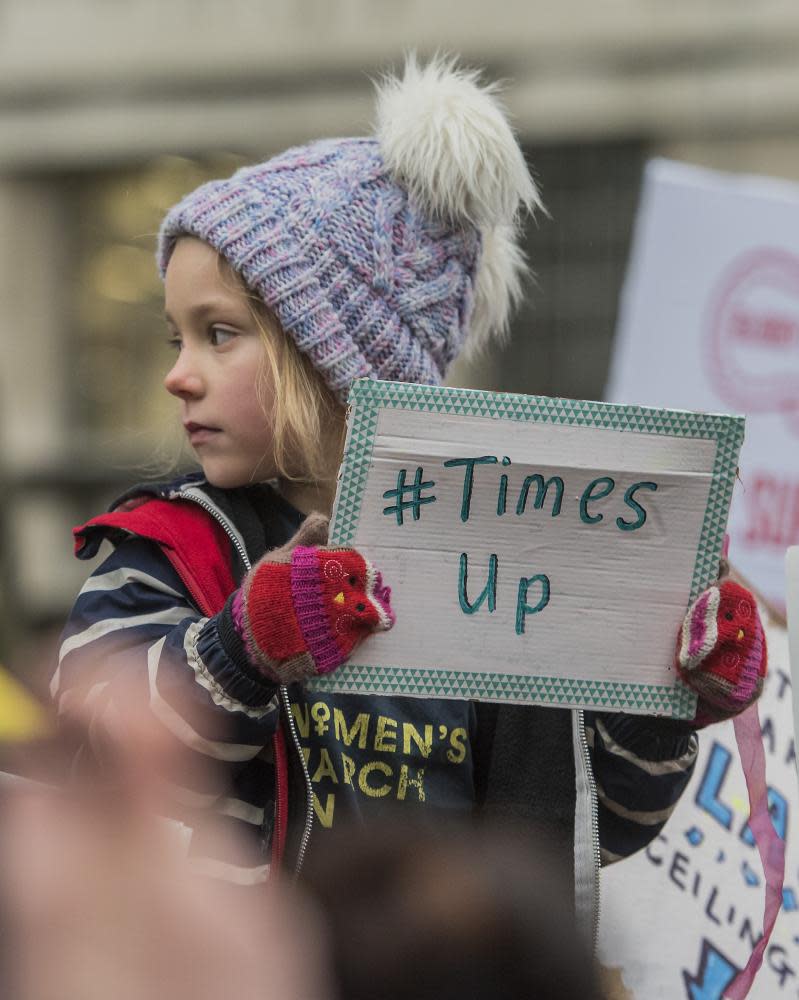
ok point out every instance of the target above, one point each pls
(379, 255)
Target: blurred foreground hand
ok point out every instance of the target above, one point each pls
(21, 717)
(97, 900)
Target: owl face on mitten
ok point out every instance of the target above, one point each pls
(722, 649)
(354, 595)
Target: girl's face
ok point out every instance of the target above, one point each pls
(219, 356)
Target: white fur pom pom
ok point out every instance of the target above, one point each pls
(448, 142)
(497, 287)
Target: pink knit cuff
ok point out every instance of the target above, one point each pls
(308, 598)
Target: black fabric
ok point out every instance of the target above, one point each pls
(374, 757)
(648, 737)
(525, 771)
(263, 518)
(298, 794)
(231, 640)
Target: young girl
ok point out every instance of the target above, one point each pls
(377, 257)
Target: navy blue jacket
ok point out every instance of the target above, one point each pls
(604, 783)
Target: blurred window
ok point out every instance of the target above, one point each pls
(117, 331)
(562, 336)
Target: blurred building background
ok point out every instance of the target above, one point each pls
(110, 110)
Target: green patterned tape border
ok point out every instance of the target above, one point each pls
(677, 701)
(367, 397)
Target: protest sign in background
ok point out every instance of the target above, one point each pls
(679, 919)
(519, 533)
(710, 320)
(792, 596)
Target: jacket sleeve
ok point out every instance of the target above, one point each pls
(641, 767)
(134, 635)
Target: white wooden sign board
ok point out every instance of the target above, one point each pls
(539, 551)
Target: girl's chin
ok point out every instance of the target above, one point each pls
(229, 478)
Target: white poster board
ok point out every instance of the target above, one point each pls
(519, 533)
(792, 602)
(710, 320)
(680, 918)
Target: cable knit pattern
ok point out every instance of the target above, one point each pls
(378, 255)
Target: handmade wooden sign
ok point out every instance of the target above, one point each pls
(539, 551)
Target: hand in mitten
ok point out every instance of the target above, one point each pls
(721, 651)
(303, 608)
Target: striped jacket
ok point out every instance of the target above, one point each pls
(147, 625)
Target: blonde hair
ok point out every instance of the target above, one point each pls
(307, 421)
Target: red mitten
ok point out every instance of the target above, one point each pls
(721, 651)
(302, 609)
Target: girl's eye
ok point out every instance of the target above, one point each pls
(219, 336)
(175, 343)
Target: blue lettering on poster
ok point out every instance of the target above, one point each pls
(707, 797)
(750, 876)
(778, 809)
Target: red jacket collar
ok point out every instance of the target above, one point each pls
(183, 530)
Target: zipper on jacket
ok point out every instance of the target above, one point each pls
(589, 770)
(219, 517)
(295, 739)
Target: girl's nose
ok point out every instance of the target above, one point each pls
(183, 378)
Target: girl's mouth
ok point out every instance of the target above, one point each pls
(198, 433)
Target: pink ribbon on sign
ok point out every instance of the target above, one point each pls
(770, 845)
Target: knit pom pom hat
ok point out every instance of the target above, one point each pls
(379, 255)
